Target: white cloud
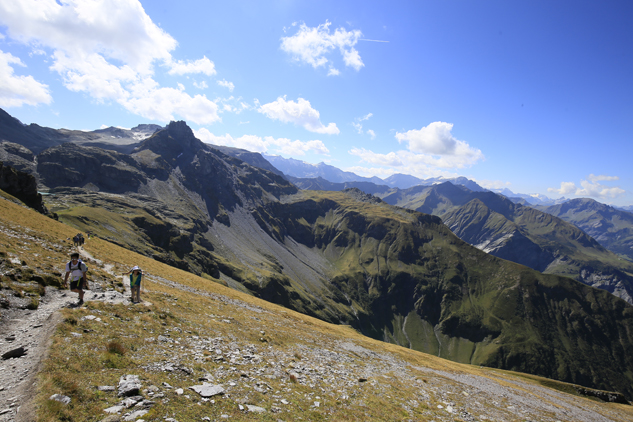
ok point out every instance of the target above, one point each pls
(436, 139)
(201, 85)
(430, 149)
(232, 105)
(333, 72)
(202, 65)
(227, 84)
(590, 188)
(300, 113)
(391, 159)
(601, 178)
(566, 188)
(359, 127)
(267, 144)
(288, 147)
(149, 100)
(117, 29)
(15, 90)
(109, 49)
(491, 184)
(312, 45)
(432, 146)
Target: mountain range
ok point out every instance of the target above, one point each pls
(391, 272)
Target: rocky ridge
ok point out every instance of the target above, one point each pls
(21, 185)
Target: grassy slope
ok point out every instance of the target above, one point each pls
(227, 320)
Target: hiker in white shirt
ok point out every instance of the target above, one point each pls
(76, 269)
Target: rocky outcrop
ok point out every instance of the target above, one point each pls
(21, 185)
(18, 157)
(73, 165)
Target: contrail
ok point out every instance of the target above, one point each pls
(363, 39)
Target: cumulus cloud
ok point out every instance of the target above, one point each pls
(566, 188)
(203, 65)
(432, 152)
(109, 49)
(432, 146)
(436, 139)
(267, 144)
(590, 188)
(300, 113)
(15, 90)
(312, 45)
(371, 133)
(227, 84)
(147, 99)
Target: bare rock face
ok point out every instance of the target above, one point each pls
(21, 185)
(73, 165)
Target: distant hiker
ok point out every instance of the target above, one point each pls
(76, 269)
(136, 274)
(76, 240)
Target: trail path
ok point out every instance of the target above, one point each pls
(32, 330)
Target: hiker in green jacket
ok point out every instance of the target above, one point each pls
(136, 274)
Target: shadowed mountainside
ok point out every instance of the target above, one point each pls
(612, 228)
(521, 234)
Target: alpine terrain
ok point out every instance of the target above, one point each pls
(390, 272)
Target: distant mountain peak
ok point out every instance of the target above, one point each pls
(176, 140)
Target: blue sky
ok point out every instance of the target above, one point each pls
(534, 96)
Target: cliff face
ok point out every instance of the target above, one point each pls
(21, 185)
(74, 165)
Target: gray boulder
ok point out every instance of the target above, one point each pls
(129, 385)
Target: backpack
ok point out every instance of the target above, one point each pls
(78, 266)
